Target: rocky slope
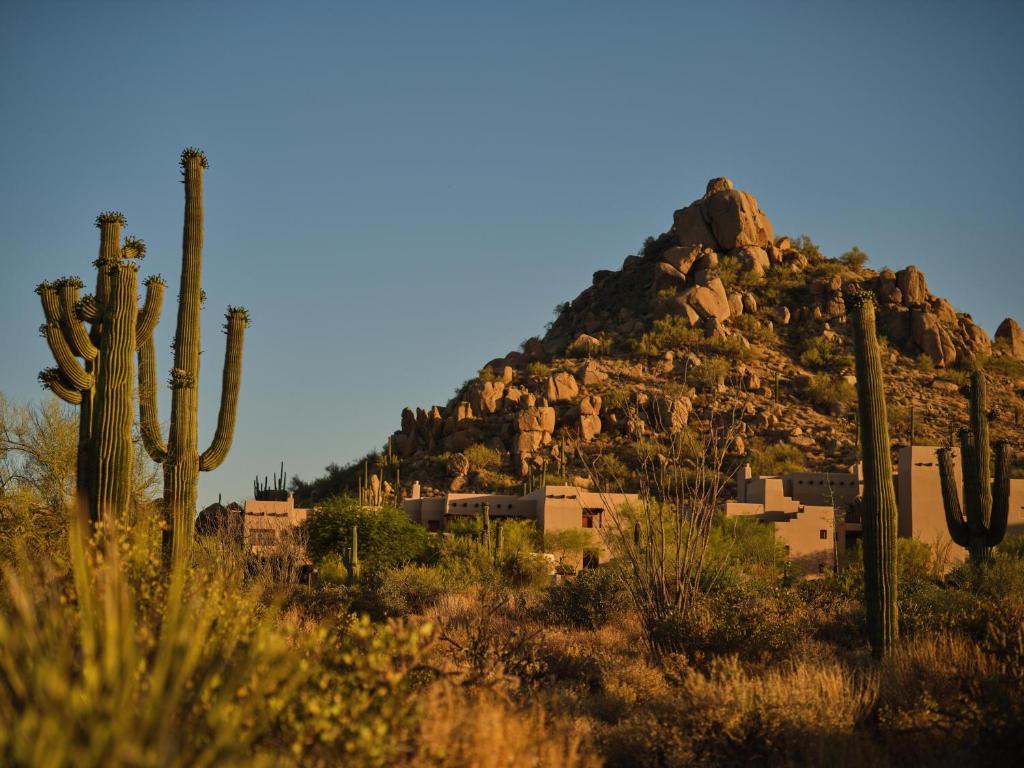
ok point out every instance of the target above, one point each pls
(715, 312)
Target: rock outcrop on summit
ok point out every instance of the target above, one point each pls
(719, 313)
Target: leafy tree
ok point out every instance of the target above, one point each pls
(387, 537)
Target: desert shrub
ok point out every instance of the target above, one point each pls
(776, 459)
(729, 715)
(957, 376)
(399, 591)
(483, 457)
(753, 329)
(476, 727)
(711, 372)
(924, 363)
(538, 370)
(755, 620)
(740, 550)
(668, 333)
(1004, 365)
(613, 472)
(387, 537)
(1012, 546)
(854, 258)
(821, 354)
(829, 392)
(806, 247)
(780, 286)
(733, 275)
(325, 601)
(950, 702)
(588, 601)
(615, 397)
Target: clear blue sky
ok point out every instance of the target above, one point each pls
(400, 192)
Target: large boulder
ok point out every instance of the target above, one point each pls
(584, 344)
(562, 386)
(690, 228)
(590, 426)
(486, 397)
(912, 285)
(682, 257)
(754, 260)
(592, 372)
(932, 338)
(707, 303)
(667, 276)
(670, 414)
(536, 419)
(1011, 337)
(736, 220)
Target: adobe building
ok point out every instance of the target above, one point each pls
(814, 516)
(550, 508)
(268, 521)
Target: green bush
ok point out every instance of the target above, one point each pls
(711, 372)
(854, 258)
(538, 370)
(827, 391)
(821, 354)
(399, 591)
(588, 601)
(668, 333)
(387, 537)
(482, 457)
(776, 459)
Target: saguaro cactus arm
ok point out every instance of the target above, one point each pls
(74, 329)
(958, 530)
(1000, 495)
(237, 320)
(54, 380)
(88, 309)
(69, 366)
(149, 315)
(149, 418)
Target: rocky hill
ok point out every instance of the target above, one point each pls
(718, 312)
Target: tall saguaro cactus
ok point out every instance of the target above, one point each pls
(180, 455)
(879, 502)
(986, 502)
(95, 368)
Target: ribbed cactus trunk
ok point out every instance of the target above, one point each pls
(180, 455)
(181, 468)
(112, 452)
(880, 511)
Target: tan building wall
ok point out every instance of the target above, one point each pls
(551, 508)
(267, 524)
(793, 504)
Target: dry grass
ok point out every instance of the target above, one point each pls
(475, 727)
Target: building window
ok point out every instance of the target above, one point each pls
(823, 533)
(591, 558)
(590, 516)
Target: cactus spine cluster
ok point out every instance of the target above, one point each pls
(180, 455)
(879, 502)
(986, 502)
(95, 368)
